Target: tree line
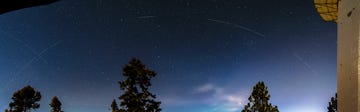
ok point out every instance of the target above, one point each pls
(137, 97)
(27, 98)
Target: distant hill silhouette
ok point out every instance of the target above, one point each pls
(12, 5)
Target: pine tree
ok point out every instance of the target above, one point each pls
(136, 97)
(24, 100)
(55, 105)
(259, 100)
(333, 104)
(114, 107)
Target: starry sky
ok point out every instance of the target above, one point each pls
(208, 53)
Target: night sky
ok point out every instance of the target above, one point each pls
(208, 53)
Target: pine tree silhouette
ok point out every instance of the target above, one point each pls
(114, 106)
(333, 104)
(24, 100)
(136, 96)
(259, 100)
(55, 105)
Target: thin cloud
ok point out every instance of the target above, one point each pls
(221, 100)
(207, 88)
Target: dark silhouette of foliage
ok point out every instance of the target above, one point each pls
(55, 105)
(333, 104)
(24, 100)
(11, 5)
(114, 106)
(259, 100)
(136, 97)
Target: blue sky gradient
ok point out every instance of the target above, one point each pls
(208, 54)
